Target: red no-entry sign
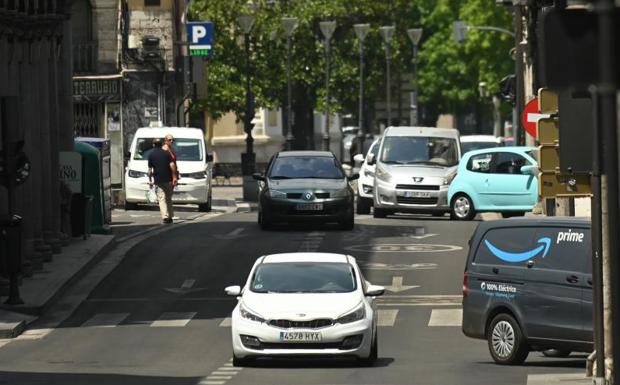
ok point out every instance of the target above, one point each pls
(531, 115)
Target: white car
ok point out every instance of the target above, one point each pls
(478, 142)
(305, 304)
(366, 180)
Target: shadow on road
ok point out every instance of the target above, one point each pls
(315, 363)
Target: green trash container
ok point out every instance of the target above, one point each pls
(92, 185)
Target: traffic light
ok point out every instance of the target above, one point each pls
(552, 182)
(14, 164)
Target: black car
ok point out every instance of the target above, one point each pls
(528, 286)
(305, 186)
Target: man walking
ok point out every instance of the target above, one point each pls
(163, 173)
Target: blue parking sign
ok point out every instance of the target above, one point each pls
(200, 36)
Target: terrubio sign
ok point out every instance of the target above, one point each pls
(97, 89)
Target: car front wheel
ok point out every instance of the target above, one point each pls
(374, 353)
(506, 342)
(240, 362)
(462, 208)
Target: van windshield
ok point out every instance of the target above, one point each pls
(419, 150)
(185, 149)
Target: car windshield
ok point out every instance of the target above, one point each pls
(470, 146)
(419, 149)
(184, 148)
(304, 277)
(301, 167)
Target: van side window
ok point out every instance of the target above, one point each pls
(570, 249)
(501, 246)
(480, 163)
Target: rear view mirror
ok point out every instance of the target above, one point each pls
(529, 170)
(375, 290)
(370, 159)
(233, 290)
(209, 158)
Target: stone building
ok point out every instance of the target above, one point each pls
(35, 105)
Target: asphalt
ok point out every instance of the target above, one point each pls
(42, 290)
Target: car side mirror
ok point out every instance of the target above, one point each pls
(209, 158)
(529, 170)
(374, 290)
(258, 176)
(233, 290)
(358, 158)
(371, 159)
(353, 177)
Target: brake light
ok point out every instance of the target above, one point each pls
(464, 285)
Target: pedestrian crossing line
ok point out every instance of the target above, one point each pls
(228, 369)
(446, 317)
(221, 375)
(386, 317)
(207, 382)
(4, 342)
(172, 319)
(34, 334)
(420, 300)
(105, 320)
(226, 322)
(216, 378)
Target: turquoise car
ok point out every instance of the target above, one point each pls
(501, 179)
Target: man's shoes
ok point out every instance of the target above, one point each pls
(167, 221)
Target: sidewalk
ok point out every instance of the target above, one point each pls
(41, 290)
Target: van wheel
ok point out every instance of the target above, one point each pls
(363, 205)
(556, 353)
(506, 342)
(462, 208)
(379, 213)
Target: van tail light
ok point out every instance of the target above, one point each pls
(465, 285)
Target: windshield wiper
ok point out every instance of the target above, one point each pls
(428, 162)
(393, 162)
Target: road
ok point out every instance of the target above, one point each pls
(161, 315)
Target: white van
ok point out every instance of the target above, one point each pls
(193, 162)
(414, 167)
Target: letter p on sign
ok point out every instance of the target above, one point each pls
(198, 32)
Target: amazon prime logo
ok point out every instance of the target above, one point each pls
(308, 196)
(418, 179)
(545, 244)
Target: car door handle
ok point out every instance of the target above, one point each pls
(572, 279)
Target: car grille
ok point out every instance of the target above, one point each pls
(417, 201)
(312, 324)
(322, 195)
(293, 195)
(416, 187)
(299, 195)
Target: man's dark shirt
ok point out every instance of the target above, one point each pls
(159, 161)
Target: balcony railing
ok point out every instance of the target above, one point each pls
(85, 57)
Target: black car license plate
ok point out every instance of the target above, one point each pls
(309, 207)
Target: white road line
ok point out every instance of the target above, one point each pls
(226, 322)
(228, 369)
(490, 216)
(105, 320)
(218, 373)
(219, 378)
(173, 319)
(446, 317)
(34, 334)
(559, 378)
(386, 317)
(4, 342)
(207, 382)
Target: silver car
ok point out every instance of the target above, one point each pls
(414, 168)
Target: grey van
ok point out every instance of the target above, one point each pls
(527, 287)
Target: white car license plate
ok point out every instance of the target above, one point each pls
(417, 194)
(300, 336)
(309, 207)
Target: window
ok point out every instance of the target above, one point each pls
(508, 163)
(185, 149)
(304, 277)
(499, 245)
(480, 163)
(152, 3)
(570, 249)
(300, 167)
(419, 150)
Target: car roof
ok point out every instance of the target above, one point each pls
(534, 222)
(284, 154)
(520, 149)
(421, 131)
(481, 138)
(160, 132)
(306, 257)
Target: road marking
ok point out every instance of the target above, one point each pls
(186, 287)
(558, 378)
(34, 334)
(422, 236)
(208, 382)
(446, 317)
(397, 285)
(401, 266)
(420, 300)
(236, 233)
(4, 342)
(490, 216)
(228, 369)
(172, 319)
(226, 322)
(404, 248)
(221, 375)
(105, 320)
(387, 317)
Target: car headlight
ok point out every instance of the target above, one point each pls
(340, 193)
(447, 180)
(136, 174)
(245, 313)
(358, 314)
(197, 175)
(382, 174)
(276, 194)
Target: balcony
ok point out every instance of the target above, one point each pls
(85, 57)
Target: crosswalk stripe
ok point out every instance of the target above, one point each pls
(173, 319)
(446, 317)
(219, 377)
(386, 317)
(34, 334)
(558, 378)
(4, 342)
(226, 322)
(105, 320)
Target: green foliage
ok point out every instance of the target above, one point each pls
(448, 73)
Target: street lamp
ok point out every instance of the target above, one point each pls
(327, 28)
(386, 33)
(415, 34)
(248, 160)
(289, 24)
(361, 30)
